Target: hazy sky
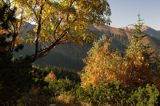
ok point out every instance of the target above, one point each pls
(125, 12)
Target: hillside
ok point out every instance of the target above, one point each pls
(71, 55)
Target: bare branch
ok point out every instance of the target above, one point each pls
(56, 28)
(45, 51)
(38, 30)
(21, 20)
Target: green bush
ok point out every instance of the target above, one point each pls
(144, 96)
(114, 94)
(59, 86)
(107, 93)
(39, 74)
(63, 73)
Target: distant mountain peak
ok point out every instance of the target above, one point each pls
(132, 26)
(146, 29)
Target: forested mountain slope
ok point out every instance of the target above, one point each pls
(71, 55)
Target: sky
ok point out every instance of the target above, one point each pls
(124, 12)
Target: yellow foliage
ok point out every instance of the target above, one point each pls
(132, 69)
(60, 21)
(58, 16)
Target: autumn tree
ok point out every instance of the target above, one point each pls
(60, 21)
(55, 21)
(137, 66)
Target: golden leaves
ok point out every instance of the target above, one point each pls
(103, 65)
(75, 15)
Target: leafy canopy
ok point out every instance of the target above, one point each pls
(61, 21)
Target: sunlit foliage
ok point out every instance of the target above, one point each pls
(61, 21)
(137, 66)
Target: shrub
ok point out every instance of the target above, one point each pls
(65, 98)
(63, 73)
(59, 86)
(39, 74)
(144, 96)
(114, 93)
(106, 93)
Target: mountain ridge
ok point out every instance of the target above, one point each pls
(72, 55)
